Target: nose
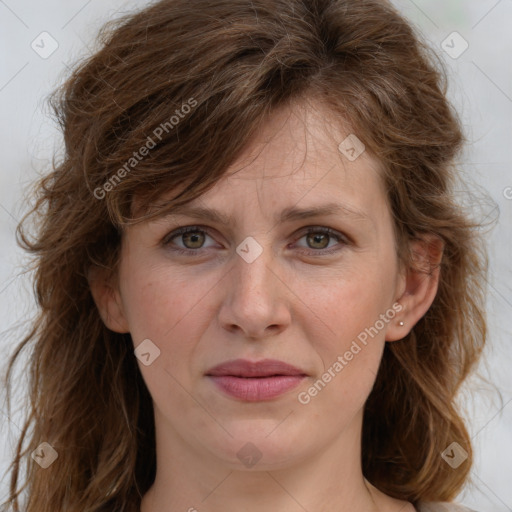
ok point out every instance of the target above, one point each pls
(256, 300)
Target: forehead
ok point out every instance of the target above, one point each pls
(299, 160)
(300, 157)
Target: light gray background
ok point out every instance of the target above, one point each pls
(480, 87)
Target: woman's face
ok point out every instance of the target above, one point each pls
(259, 287)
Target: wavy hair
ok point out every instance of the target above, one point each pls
(232, 62)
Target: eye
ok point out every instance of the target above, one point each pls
(318, 238)
(192, 238)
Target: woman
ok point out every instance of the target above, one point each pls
(257, 291)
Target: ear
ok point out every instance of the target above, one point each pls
(418, 285)
(108, 299)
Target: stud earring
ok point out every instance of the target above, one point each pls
(401, 324)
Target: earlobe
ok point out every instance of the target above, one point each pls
(420, 287)
(108, 300)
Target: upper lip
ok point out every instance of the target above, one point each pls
(245, 368)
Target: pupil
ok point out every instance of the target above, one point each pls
(192, 238)
(318, 239)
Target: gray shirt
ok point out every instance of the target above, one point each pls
(441, 507)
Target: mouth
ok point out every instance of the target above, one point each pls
(255, 381)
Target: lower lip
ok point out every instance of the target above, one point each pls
(256, 389)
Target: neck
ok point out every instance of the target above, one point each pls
(189, 479)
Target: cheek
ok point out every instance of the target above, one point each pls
(352, 339)
(161, 303)
(351, 305)
(336, 402)
(168, 310)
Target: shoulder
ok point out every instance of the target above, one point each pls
(439, 506)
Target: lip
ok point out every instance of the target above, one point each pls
(254, 381)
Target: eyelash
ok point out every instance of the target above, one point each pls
(166, 242)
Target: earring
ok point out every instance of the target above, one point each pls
(401, 324)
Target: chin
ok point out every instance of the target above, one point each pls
(261, 444)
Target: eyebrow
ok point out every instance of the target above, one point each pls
(287, 215)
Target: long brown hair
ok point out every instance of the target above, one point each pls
(231, 62)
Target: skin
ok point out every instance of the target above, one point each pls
(291, 303)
